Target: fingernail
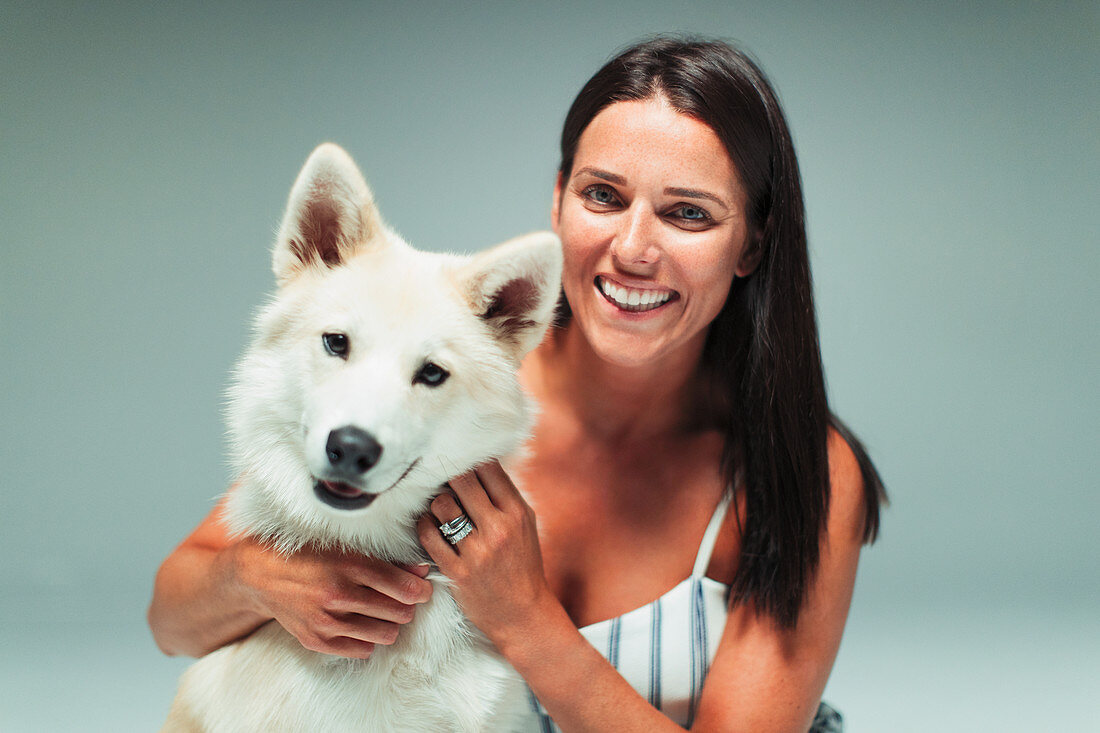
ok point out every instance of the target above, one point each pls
(422, 569)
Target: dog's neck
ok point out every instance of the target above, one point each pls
(397, 542)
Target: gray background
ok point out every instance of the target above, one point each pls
(949, 156)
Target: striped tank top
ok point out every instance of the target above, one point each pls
(665, 648)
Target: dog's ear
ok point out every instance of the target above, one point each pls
(514, 287)
(330, 214)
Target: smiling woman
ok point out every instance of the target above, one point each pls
(700, 512)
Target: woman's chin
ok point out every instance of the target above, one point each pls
(634, 340)
(626, 348)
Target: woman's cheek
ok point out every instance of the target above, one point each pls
(583, 233)
(582, 247)
(713, 257)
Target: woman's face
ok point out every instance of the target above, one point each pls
(653, 229)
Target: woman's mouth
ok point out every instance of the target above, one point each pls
(634, 300)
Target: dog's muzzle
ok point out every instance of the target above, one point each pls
(340, 495)
(351, 452)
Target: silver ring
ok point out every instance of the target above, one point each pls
(454, 526)
(461, 534)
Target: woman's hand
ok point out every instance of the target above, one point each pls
(331, 601)
(498, 580)
(497, 569)
(214, 589)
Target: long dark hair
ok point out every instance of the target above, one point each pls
(762, 353)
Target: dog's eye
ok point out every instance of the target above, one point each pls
(431, 375)
(336, 344)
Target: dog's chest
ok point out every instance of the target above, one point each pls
(441, 675)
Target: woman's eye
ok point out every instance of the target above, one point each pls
(693, 216)
(336, 344)
(431, 375)
(600, 195)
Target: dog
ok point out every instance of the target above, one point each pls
(376, 373)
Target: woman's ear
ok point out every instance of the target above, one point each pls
(555, 206)
(750, 256)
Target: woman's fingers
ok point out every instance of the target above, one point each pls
(342, 634)
(473, 496)
(497, 485)
(482, 491)
(400, 584)
(431, 539)
(343, 646)
(445, 508)
(363, 628)
(347, 635)
(369, 603)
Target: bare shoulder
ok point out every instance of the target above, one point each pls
(847, 500)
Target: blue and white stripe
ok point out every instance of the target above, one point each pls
(700, 653)
(654, 696)
(614, 637)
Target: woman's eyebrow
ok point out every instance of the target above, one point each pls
(694, 193)
(605, 175)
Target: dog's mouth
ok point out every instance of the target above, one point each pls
(340, 495)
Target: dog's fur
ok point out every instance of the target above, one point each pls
(341, 270)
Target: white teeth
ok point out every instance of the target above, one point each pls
(635, 300)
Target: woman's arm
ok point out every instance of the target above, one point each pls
(763, 678)
(214, 589)
(768, 679)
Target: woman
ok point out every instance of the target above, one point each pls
(699, 522)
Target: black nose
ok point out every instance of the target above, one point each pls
(352, 451)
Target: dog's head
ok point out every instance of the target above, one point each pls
(377, 372)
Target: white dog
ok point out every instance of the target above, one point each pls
(376, 374)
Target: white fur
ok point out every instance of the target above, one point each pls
(340, 269)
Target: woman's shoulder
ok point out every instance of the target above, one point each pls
(843, 464)
(849, 509)
(857, 491)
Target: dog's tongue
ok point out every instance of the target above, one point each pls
(340, 489)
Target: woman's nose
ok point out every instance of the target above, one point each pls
(636, 241)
